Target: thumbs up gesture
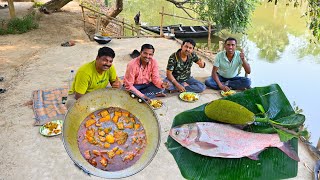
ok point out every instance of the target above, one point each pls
(242, 56)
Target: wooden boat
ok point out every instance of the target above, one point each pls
(182, 31)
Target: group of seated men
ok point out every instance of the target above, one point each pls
(142, 75)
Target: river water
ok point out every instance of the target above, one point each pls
(277, 46)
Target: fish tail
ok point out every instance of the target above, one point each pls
(288, 150)
(317, 170)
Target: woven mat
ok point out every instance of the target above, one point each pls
(47, 105)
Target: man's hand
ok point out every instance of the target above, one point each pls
(165, 85)
(224, 88)
(116, 84)
(146, 98)
(201, 63)
(180, 88)
(242, 56)
(245, 63)
(77, 95)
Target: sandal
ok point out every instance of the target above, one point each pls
(68, 44)
(2, 90)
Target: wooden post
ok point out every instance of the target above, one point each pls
(98, 24)
(11, 9)
(161, 23)
(209, 36)
(84, 18)
(221, 45)
(132, 29)
(318, 145)
(137, 27)
(122, 26)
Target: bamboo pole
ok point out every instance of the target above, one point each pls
(162, 13)
(11, 9)
(209, 36)
(161, 23)
(123, 28)
(132, 28)
(110, 18)
(137, 27)
(98, 24)
(84, 18)
(148, 36)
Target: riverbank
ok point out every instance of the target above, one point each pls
(35, 60)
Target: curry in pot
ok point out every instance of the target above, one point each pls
(111, 139)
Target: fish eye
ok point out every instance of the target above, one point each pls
(177, 132)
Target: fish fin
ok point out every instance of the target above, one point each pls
(224, 155)
(255, 156)
(205, 145)
(288, 150)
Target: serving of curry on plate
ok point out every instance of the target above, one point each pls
(111, 139)
(156, 104)
(189, 96)
(228, 93)
(51, 128)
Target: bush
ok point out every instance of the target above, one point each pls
(20, 25)
(38, 4)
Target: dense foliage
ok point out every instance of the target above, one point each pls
(235, 15)
(227, 14)
(313, 14)
(20, 25)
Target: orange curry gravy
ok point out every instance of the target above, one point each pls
(111, 139)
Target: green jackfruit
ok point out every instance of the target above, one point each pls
(229, 112)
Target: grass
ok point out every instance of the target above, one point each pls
(37, 4)
(19, 25)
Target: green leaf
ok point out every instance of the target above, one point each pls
(260, 107)
(284, 136)
(195, 166)
(304, 133)
(292, 121)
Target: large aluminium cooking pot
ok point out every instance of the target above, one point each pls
(101, 99)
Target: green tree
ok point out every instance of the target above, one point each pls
(225, 14)
(234, 15)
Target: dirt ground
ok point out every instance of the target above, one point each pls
(35, 60)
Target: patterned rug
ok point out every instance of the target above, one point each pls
(47, 105)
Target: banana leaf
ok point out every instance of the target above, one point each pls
(272, 163)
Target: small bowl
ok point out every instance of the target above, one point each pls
(102, 39)
(169, 35)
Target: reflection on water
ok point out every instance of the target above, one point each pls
(150, 12)
(277, 46)
(279, 51)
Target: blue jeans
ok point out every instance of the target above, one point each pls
(236, 83)
(149, 90)
(193, 85)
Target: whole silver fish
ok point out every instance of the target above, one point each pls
(226, 141)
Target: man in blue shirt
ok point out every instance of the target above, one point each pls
(225, 69)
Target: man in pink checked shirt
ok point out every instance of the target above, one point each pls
(142, 75)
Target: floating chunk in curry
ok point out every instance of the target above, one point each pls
(111, 139)
(90, 122)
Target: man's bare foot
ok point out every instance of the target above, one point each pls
(161, 94)
(185, 84)
(173, 91)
